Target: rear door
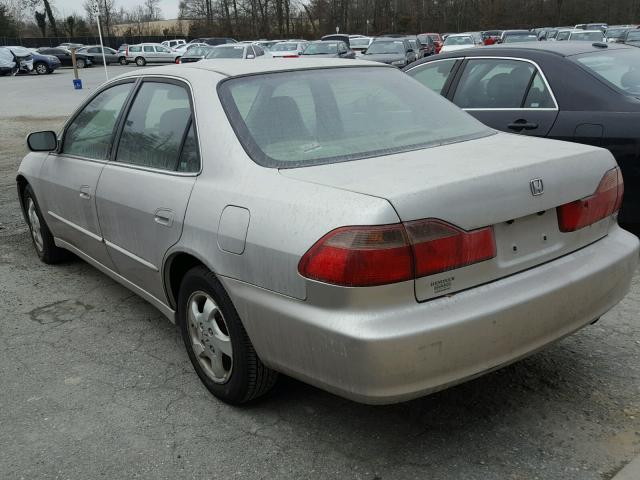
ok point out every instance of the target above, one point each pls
(143, 192)
(149, 53)
(507, 94)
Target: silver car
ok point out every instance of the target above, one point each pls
(144, 53)
(337, 223)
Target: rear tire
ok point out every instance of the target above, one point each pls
(40, 234)
(123, 61)
(141, 62)
(80, 63)
(217, 343)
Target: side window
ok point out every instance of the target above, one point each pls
(493, 83)
(189, 158)
(434, 75)
(251, 51)
(155, 126)
(259, 50)
(538, 95)
(162, 50)
(90, 133)
(148, 48)
(94, 50)
(134, 49)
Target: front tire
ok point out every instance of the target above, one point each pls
(141, 62)
(80, 63)
(217, 343)
(123, 61)
(41, 68)
(40, 234)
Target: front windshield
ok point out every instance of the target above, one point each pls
(524, 37)
(390, 47)
(321, 48)
(198, 51)
(620, 68)
(226, 52)
(284, 47)
(359, 42)
(301, 118)
(586, 36)
(458, 41)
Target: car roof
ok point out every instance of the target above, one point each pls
(461, 35)
(233, 68)
(563, 49)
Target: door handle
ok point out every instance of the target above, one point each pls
(164, 217)
(85, 192)
(522, 124)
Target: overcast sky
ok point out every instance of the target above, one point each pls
(67, 7)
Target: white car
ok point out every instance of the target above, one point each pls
(173, 44)
(458, 41)
(181, 49)
(240, 51)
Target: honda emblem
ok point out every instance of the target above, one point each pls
(537, 187)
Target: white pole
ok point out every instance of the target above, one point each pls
(104, 62)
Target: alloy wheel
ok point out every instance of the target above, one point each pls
(34, 225)
(209, 337)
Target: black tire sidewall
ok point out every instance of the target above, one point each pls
(123, 61)
(141, 62)
(80, 63)
(44, 231)
(235, 389)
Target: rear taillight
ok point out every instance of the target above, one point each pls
(439, 246)
(290, 56)
(378, 255)
(604, 202)
(360, 257)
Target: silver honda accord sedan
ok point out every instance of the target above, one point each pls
(333, 221)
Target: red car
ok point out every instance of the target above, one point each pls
(437, 40)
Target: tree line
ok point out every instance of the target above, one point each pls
(252, 19)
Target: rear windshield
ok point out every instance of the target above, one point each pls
(392, 47)
(458, 41)
(633, 36)
(301, 118)
(285, 47)
(321, 48)
(226, 52)
(520, 37)
(587, 36)
(359, 42)
(619, 68)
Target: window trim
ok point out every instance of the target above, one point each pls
(520, 109)
(80, 109)
(120, 126)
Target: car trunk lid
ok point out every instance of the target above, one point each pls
(493, 181)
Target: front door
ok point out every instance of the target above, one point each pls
(70, 177)
(511, 95)
(143, 192)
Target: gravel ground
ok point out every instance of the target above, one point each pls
(95, 383)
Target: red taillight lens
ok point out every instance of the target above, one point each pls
(360, 257)
(379, 255)
(604, 202)
(439, 246)
(290, 56)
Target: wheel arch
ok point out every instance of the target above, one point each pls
(21, 183)
(176, 266)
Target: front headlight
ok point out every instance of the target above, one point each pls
(398, 63)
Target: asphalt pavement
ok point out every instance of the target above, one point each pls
(95, 383)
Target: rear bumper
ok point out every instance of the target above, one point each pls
(385, 354)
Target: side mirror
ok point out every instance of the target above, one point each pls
(251, 56)
(410, 50)
(42, 141)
